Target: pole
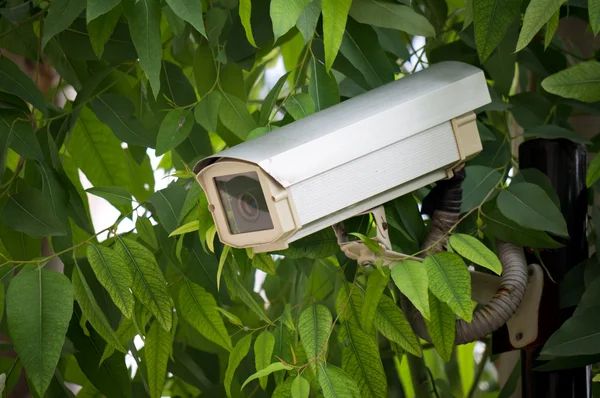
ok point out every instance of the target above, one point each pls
(564, 162)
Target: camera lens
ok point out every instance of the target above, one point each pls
(248, 206)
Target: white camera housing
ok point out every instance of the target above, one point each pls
(346, 159)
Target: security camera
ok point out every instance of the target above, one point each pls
(345, 160)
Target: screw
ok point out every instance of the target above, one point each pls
(519, 336)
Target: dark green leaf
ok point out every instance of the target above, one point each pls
(376, 284)
(509, 231)
(387, 14)
(235, 116)
(322, 87)
(316, 246)
(537, 14)
(307, 22)
(263, 350)
(579, 335)
(28, 211)
(314, 327)
(174, 129)
(594, 14)
(190, 11)
(168, 203)
(491, 20)
(390, 322)
(552, 131)
(540, 179)
(271, 99)
(207, 110)
(157, 349)
(441, 327)
(20, 136)
(335, 383)
(300, 105)
(235, 358)
(14, 81)
(115, 195)
(61, 15)
(97, 8)
(478, 184)
(285, 13)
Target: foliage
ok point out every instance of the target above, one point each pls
(183, 79)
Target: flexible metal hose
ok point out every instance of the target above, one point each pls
(513, 284)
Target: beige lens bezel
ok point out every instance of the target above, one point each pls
(281, 209)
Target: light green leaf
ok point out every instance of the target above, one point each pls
(60, 16)
(322, 87)
(157, 348)
(144, 26)
(299, 106)
(335, 15)
(115, 195)
(39, 305)
(348, 303)
(114, 274)
(246, 297)
(144, 229)
(96, 8)
(207, 110)
(360, 46)
(450, 281)
(271, 98)
(361, 360)
(441, 327)
(388, 14)
(581, 82)
(263, 350)
(92, 311)
(390, 322)
(245, 11)
(190, 11)
(552, 131)
(537, 14)
(264, 373)
(264, 262)
(14, 81)
(307, 22)
(376, 284)
(335, 383)
(509, 231)
(491, 20)
(283, 390)
(186, 228)
(235, 116)
(259, 131)
(594, 12)
(285, 13)
(235, 358)
(411, 278)
(314, 327)
(551, 27)
(149, 284)
(199, 308)
(472, 249)
(529, 206)
(174, 129)
(371, 244)
(116, 111)
(102, 28)
(300, 387)
(125, 332)
(222, 260)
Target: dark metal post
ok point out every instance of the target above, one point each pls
(564, 162)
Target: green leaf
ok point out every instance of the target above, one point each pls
(371, 244)
(285, 13)
(300, 387)
(246, 297)
(390, 322)
(207, 110)
(529, 206)
(149, 284)
(145, 231)
(29, 212)
(259, 131)
(552, 131)
(39, 304)
(314, 327)
(102, 28)
(283, 390)
(199, 308)
(376, 284)
(579, 335)
(360, 46)
(116, 111)
(92, 311)
(190, 11)
(322, 86)
(235, 116)
(264, 262)
(335, 15)
(593, 172)
(264, 373)
(235, 358)
(551, 27)
(115, 195)
(387, 14)
(20, 136)
(61, 15)
(271, 98)
(540, 179)
(144, 26)
(97, 8)
(537, 14)
(410, 216)
(299, 106)
(315, 246)
(335, 383)
(450, 281)
(307, 22)
(114, 274)
(411, 278)
(479, 182)
(245, 11)
(441, 327)
(491, 21)
(174, 129)
(14, 81)
(509, 231)
(594, 14)
(473, 250)
(168, 203)
(263, 350)
(157, 348)
(125, 333)
(186, 228)
(361, 360)
(581, 82)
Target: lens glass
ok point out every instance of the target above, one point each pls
(244, 203)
